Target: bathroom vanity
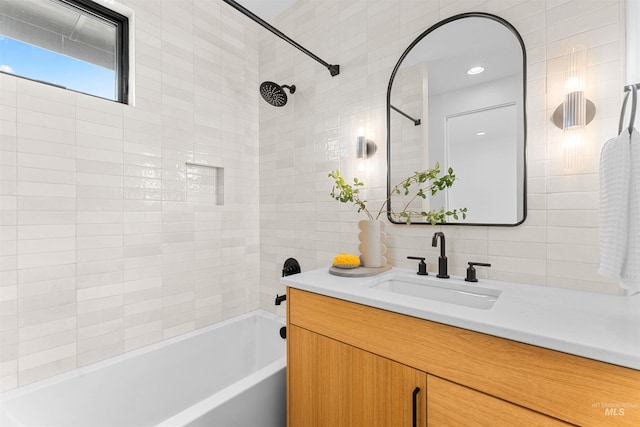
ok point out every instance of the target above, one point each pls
(369, 352)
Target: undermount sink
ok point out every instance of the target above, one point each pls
(443, 290)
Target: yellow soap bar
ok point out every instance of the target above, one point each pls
(346, 260)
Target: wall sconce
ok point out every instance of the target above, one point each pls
(365, 148)
(576, 111)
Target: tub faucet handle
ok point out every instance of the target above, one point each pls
(280, 299)
(471, 271)
(291, 266)
(422, 266)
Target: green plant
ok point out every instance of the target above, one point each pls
(428, 182)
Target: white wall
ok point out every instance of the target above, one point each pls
(107, 240)
(558, 243)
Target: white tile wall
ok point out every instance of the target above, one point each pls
(103, 246)
(106, 244)
(558, 243)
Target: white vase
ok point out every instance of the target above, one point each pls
(372, 248)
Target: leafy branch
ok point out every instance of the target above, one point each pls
(428, 182)
(348, 193)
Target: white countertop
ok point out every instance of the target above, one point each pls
(593, 325)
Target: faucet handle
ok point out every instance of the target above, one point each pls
(422, 266)
(471, 271)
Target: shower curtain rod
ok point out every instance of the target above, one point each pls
(416, 122)
(333, 69)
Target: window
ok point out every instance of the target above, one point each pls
(75, 44)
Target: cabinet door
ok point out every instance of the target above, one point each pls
(334, 384)
(450, 404)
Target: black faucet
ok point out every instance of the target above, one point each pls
(442, 260)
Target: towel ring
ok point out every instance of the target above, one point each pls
(634, 102)
(622, 111)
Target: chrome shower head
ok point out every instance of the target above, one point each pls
(274, 94)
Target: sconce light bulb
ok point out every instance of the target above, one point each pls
(574, 84)
(574, 138)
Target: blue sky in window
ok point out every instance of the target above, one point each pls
(30, 61)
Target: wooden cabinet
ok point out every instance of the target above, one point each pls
(355, 365)
(452, 405)
(333, 384)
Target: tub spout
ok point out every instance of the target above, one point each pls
(280, 299)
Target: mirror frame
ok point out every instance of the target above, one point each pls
(524, 109)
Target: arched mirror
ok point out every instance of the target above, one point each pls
(457, 97)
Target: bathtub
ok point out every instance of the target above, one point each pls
(228, 374)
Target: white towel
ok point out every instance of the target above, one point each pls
(620, 210)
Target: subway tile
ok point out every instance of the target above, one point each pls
(46, 273)
(47, 321)
(90, 153)
(37, 133)
(98, 292)
(113, 242)
(98, 205)
(100, 348)
(8, 293)
(27, 261)
(99, 278)
(33, 289)
(43, 189)
(50, 119)
(48, 147)
(99, 354)
(99, 192)
(55, 161)
(575, 235)
(48, 356)
(35, 246)
(52, 107)
(142, 340)
(48, 369)
(88, 116)
(50, 176)
(91, 268)
(48, 342)
(99, 217)
(46, 231)
(99, 254)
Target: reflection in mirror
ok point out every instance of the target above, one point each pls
(441, 110)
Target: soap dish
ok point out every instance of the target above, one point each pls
(346, 266)
(358, 272)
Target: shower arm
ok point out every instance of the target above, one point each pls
(333, 69)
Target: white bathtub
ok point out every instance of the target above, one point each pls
(229, 374)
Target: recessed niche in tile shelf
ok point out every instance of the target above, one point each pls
(205, 184)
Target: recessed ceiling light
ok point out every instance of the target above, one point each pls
(481, 133)
(475, 70)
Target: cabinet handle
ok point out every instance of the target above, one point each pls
(415, 406)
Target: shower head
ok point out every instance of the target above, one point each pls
(274, 94)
